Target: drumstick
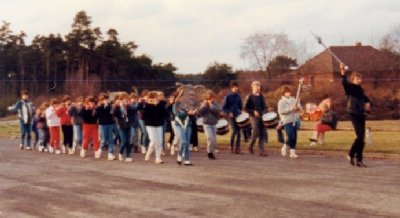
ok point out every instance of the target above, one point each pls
(298, 96)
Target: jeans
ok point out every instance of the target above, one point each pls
(134, 136)
(291, 134)
(107, 137)
(281, 138)
(125, 146)
(211, 136)
(184, 139)
(35, 131)
(235, 135)
(145, 137)
(26, 130)
(175, 141)
(258, 131)
(78, 136)
(44, 137)
(155, 135)
(357, 148)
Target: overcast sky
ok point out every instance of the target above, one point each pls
(194, 33)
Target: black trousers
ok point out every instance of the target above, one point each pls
(194, 140)
(357, 148)
(67, 131)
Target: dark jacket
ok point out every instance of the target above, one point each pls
(104, 114)
(232, 103)
(210, 114)
(356, 98)
(88, 116)
(73, 111)
(124, 120)
(255, 103)
(154, 115)
(30, 109)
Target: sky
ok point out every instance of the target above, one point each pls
(193, 34)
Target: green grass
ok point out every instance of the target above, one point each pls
(385, 137)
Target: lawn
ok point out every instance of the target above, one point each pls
(385, 137)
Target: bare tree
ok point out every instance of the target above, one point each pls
(391, 41)
(260, 48)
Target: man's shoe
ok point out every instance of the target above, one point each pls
(263, 154)
(351, 159)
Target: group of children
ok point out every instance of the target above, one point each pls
(100, 122)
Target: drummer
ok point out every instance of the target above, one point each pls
(210, 112)
(232, 106)
(255, 105)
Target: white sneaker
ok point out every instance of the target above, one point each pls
(70, 151)
(97, 154)
(313, 144)
(169, 145)
(51, 150)
(120, 157)
(45, 150)
(58, 152)
(111, 156)
(41, 148)
(293, 153)
(159, 161)
(144, 151)
(195, 148)
(83, 153)
(283, 150)
(128, 159)
(191, 148)
(172, 149)
(63, 149)
(28, 148)
(21, 147)
(179, 159)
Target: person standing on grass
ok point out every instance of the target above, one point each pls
(358, 105)
(232, 106)
(255, 105)
(26, 111)
(288, 109)
(210, 112)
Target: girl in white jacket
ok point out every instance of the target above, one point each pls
(54, 124)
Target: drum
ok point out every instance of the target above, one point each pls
(199, 123)
(270, 119)
(243, 120)
(222, 127)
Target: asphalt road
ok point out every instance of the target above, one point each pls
(34, 184)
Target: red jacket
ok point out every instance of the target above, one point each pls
(62, 112)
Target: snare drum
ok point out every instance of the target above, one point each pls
(243, 120)
(222, 127)
(199, 123)
(270, 119)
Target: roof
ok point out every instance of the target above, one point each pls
(357, 58)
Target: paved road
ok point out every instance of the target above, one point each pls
(34, 184)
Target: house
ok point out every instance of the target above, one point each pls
(369, 61)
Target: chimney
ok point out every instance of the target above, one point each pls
(358, 44)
